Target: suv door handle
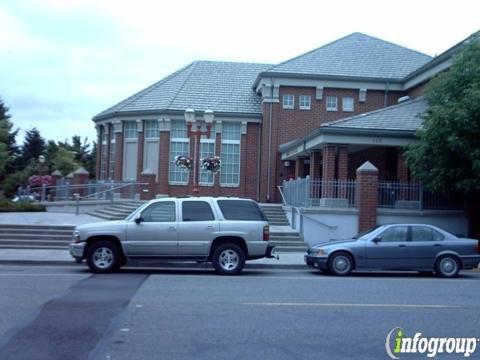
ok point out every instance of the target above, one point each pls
(209, 227)
(171, 228)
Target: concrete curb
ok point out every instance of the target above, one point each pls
(167, 265)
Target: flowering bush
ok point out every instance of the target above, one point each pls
(183, 162)
(211, 164)
(39, 180)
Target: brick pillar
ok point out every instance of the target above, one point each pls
(328, 170)
(342, 169)
(141, 144)
(402, 169)
(299, 168)
(367, 196)
(56, 177)
(118, 156)
(316, 165)
(163, 162)
(109, 133)
(80, 177)
(148, 191)
(243, 164)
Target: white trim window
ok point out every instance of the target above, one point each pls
(151, 129)
(179, 145)
(347, 104)
(332, 103)
(288, 101)
(130, 130)
(111, 165)
(103, 154)
(304, 102)
(207, 150)
(230, 154)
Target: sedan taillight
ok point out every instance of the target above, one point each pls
(266, 233)
(478, 247)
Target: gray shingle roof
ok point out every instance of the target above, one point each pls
(402, 117)
(224, 87)
(355, 55)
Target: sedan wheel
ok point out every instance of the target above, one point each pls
(340, 264)
(447, 266)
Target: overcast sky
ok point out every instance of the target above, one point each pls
(64, 61)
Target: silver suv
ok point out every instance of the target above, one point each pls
(223, 231)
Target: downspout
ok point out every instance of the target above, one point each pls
(269, 142)
(259, 160)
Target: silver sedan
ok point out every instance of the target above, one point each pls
(419, 247)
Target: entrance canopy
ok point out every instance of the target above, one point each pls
(391, 126)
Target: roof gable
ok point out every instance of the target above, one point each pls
(355, 55)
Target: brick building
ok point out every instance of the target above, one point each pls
(323, 113)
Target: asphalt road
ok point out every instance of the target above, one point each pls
(67, 313)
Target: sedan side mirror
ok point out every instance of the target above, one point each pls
(377, 239)
(138, 219)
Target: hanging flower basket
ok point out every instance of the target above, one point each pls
(184, 162)
(211, 164)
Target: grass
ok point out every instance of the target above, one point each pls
(8, 206)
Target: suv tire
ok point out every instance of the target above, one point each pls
(228, 259)
(103, 257)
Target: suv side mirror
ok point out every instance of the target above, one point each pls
(138, 219)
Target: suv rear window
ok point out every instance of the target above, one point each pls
(240, 210)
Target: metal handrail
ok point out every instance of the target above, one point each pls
(281, 193)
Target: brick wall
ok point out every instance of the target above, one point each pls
(118, 156)
(417, 90)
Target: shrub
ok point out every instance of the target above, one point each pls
(8, 206)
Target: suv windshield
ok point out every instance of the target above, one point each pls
(240, 210)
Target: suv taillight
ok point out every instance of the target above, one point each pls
(266, 233)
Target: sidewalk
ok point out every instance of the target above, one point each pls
(46, 218)
(62, 258)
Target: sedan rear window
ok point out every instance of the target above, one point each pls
(241, 210)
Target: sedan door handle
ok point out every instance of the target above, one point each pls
(437, 244)
(402, 245)
(171, 228)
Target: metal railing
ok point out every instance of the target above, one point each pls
(307, 192)
(93, 190)
(412, 195)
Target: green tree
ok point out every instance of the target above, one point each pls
(8, 147)
(64, 161)
(33, 146)
(448, 156)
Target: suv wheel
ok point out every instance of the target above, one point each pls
(103, 257)
(228, 259)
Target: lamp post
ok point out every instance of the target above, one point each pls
(196, 134)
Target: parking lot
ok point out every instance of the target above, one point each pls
(59, 312)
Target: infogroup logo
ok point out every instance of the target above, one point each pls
(397, 343)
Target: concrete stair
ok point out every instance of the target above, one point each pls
(118, 211)
(35, 236)
(274, 214)
(287, 241)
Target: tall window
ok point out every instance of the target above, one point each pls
(230, 155)
(130, 130)
(304, 102)
(103, 154)
(288, 101)
(179, 145)
(207, 150)
(151, 129)
(347, 104)
(151, 146)
(332, 103)
(111, 168)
